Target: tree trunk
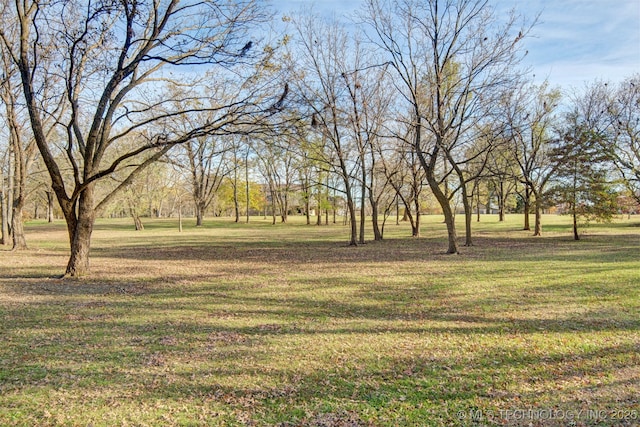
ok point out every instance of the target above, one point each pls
(284, 215)
(137, 222)
(236, 202)
(333, 206)
(17, 227)
(527, 208)
(8, 204)
(5, 218)
(307, 207)
(80, 230)
(273, 206)
(246, 180)
(502, 200)
(449, 218)
(538, 217)
(468, 215)
(19, 194)
(363, 192)
(199, 213)
(415, 232)
(352, 218)
(576, 236)
(377, 234)
(441, 197)
(50, 206)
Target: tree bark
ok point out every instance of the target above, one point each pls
(284, 215)
(441, 197)
(468, 215)
(17, 227)
(246, 188)
(137, 222)
(80, 229)
(199, 213)
(5, 218)
(449, 218)
(307, 207)
(501, 202)
(50, 206)
(363, 195)
(576, 236)
(538, 217)
(377, 234)
(352, 217)
(415, 226)
(527, 208)
(19, 194)
(236, 202)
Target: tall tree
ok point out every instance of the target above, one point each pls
(451, 57)
(277, 164)
(114, 58)
(581, 178)
(532, 119)
(22, 151)
(404, 173)
(623, 130)
(208, 165)
(324, 47)
(502, 175)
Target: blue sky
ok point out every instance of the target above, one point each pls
(575, 41)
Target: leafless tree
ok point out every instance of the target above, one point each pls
(532, 119)
(614, 110)
(451, 58)
(114, 60)
(502, 176)
(21, 151)
(320, 86)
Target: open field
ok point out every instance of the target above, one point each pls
(261, 325)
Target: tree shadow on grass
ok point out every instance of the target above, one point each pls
(230, 334)
(89, 350)
(600, 248)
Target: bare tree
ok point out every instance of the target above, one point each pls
(451, 58)
(320, 86)
(21, 150)
(278, 165)
(502, 176)
(113, 59)
(614, 111)
(369, 93)
(404, 173)
(21, 154)
(208, 166)
(532, 119)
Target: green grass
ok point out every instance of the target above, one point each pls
(236, 324)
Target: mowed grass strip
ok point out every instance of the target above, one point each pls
(252, 324)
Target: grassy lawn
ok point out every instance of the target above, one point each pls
(260, 325)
